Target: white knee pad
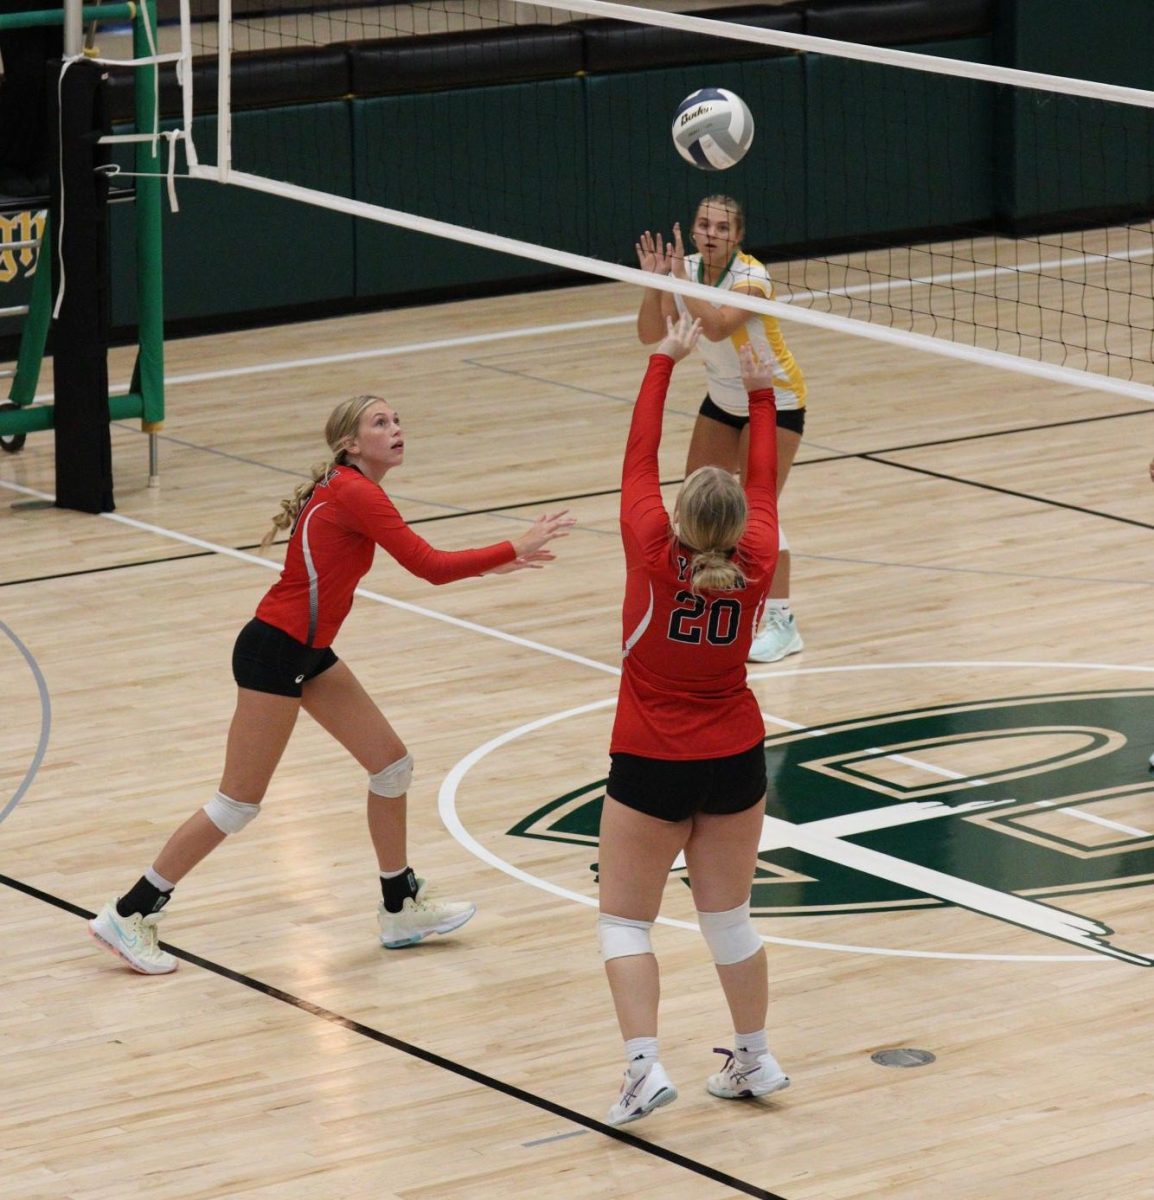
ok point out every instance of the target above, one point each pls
(620, 937)
(782, 541)
(393, 780)
(730, 935)
(228, 815)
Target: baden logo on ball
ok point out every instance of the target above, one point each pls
(712, 129)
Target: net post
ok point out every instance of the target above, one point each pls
(224, 91)
(83, 451)
(148, 376)
(73, 28)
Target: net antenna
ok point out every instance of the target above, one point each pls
(1072, 306)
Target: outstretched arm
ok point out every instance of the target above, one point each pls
(641, 504)
(761, 471)
(369, 509)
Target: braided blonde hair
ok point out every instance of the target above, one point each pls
(711, 515)
(340, 429)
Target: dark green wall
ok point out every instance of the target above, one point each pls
(1061, 157)
(592, 165)
(412, 153)
(232, 250)
(896, 151)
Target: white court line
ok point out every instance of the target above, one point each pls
(377, 597)
(1094, 819)
(324, 360)
(856, 290)
(447, 807)
(447, 795)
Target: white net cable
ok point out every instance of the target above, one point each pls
(1070, 302)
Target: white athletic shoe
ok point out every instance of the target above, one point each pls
(420, 916)
(133, 938)
(734, 1082)
(776, 639)
(641, 1093)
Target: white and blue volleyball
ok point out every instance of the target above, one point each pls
(713, 129)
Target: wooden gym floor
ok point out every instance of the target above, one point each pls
(972, 550)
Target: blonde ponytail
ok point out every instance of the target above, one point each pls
(290, 507)
(714, 571)
(711, 517)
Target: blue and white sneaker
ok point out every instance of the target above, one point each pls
(776, 639)
(420, 916)
(641, 1093)
(734, 1082)
(133, 938)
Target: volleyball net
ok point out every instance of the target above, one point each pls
(928, 199)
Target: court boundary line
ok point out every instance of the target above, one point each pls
(365, 593)
(430, 1057)
(45, 697)
(1004, 491)
(448, 792)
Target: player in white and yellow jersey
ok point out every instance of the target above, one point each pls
(721, 432)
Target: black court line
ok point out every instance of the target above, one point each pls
(991, 487)
(427, 1056)
(996, 433)
(875, 456)
(142, 562)
(549, 503)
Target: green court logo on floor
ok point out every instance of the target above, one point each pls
(1017, 808)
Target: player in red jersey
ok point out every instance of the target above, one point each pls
(687, 769)
(283, 661)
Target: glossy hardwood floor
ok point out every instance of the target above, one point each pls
(971, 549)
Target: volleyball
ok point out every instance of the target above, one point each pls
(713, 129)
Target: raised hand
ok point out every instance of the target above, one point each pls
(680, 337)
(653, 254)
(756, 373)
(531, 553)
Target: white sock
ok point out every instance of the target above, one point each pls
(392, 874)
(780, 605)
(158, 881)
(749, 1047)
(639, 1053)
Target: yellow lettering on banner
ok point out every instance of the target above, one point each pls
(20, 227)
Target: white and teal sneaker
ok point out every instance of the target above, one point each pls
(420, 916)
(776, 639)
(133, 938)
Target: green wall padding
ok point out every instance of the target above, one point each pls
(231, 250)
(891, 150)
(412, 153)
(1064, 155)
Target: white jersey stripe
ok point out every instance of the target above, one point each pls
(642, 626)
(311, 570)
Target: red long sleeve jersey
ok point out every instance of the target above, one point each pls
(331, 550)
(683, 689)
